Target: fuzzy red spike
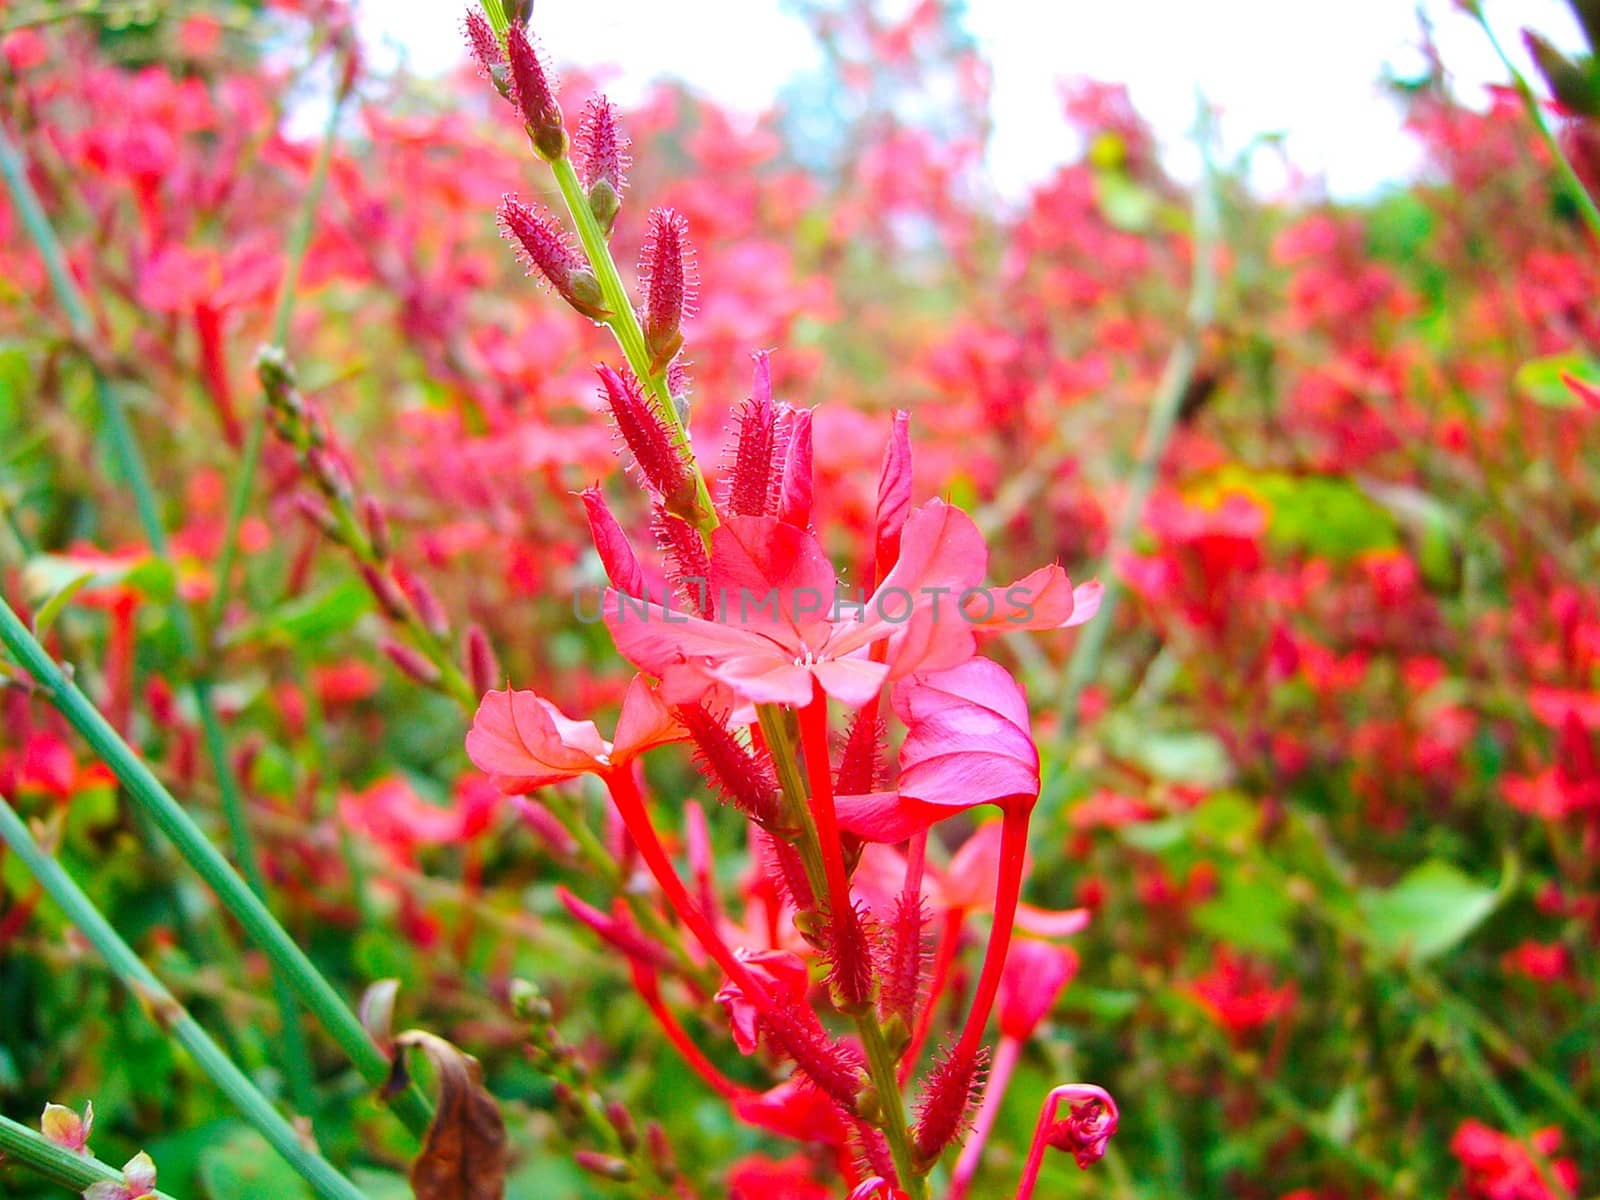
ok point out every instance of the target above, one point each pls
(861, 762)
(756, 449)
(852, 969)
(600, 150)
(948, 1097)
(654, 447)
(533, 92)
(907, 956)
(667, 279)
(543, 247)
(743, 775)
(828, 1065)
(486, 49)
(616, 552)
(689, 567)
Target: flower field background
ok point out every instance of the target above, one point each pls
(1313, 807)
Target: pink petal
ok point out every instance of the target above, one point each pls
(886, 817)
(645, 722)
(1049, 923)
(851, 681)
(894, 493)
(967, 740)
(773, 577)
(524, 742)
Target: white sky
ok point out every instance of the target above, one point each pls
(1308, 69)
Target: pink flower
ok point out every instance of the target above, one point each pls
(782, 625)
(523, 742)
(66, 1128)
(967, 743)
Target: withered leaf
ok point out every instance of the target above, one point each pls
(464, 1154)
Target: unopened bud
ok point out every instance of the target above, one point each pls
(483, 668)
(622, 1121)
(661, 1156)
(377, 525)
(428, 609)
(543, 247)
(317, 513)
(534, 96)
(667, 278)
(411, 662)
(604, 1165)
(388, 595)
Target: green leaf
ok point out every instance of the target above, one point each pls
(311, 619)
(1249, 912)
(1539, 379)
(50, 581)
(244, 1167)
(1432, 910)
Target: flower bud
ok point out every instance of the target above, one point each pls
(483, 667)
(411, 662)
(534, 96)
(543, 247)
(600, 153)
(667, 278)
(604, 1165)
(656, 448)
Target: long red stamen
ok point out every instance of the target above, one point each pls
(1008, 891)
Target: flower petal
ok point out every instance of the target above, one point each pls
(523, 742)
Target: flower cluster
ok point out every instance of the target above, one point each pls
(790, 696)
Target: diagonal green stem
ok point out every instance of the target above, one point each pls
(1530, 101)
(165, 1010)
(159, 805)
(56, 1163)
(1164, 409)
(125, 448)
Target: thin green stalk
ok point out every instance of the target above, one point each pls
(263, 930)
(1285, 1102)
(130, 462)
(43, 1157)
(294, 260)
(1530, 101)
(1164, 409)
(1508, 1112)
(165, 1010)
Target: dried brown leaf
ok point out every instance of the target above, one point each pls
(464, 1154)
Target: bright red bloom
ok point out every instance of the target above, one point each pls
(1498, 1167)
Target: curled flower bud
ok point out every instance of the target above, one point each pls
(544, 248)
(534, 96)
(656, 449)
(600, 152)
(667, 278)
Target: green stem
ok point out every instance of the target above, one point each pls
(624, 324)
(153, 799)
(1164, 409)
(1530, 101)
(130, 462)
(56, 1163)
(1285, 1102)
(165, 1010)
